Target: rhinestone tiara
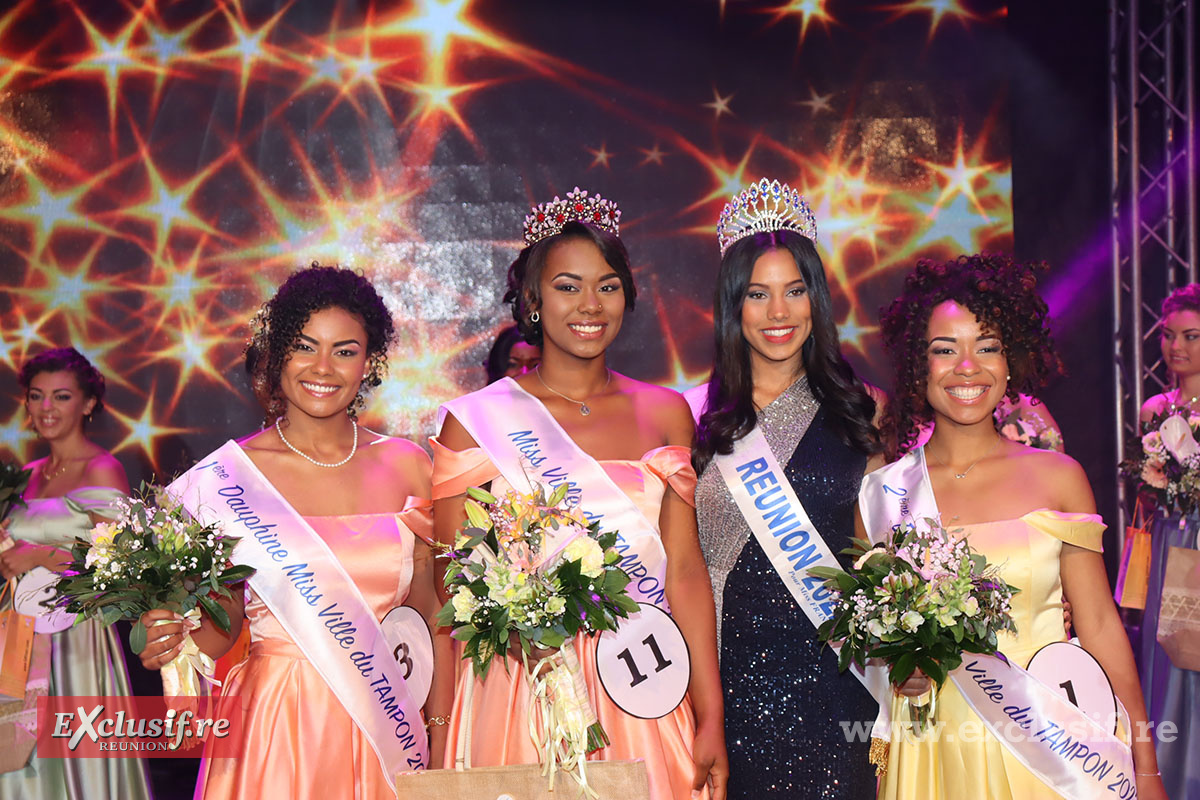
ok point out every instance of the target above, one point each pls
(763, 207)
(548, 219)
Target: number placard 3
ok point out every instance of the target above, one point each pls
(411, 644)
(644, 664)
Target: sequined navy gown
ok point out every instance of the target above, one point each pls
(787, 708)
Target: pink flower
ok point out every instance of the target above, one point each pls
(1010, 432)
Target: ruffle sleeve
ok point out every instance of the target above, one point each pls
(674, 465)
(1081, 530)
(55, 521)
(417, 516)
(454, 471)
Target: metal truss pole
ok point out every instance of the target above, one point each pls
(1152, 111)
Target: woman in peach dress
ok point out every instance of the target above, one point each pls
(320, 342)
(569, 291)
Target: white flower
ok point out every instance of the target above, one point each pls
(971, 606)
(465, 603)
(876, 628)
(911, 621)
(867, 555)
(587, 552)
(1177, 437)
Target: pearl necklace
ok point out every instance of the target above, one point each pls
(310, 459)
(583, 406)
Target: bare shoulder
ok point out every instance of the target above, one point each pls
(1063, 475)
(667, 407)
(400, 457)
(454, 435)
(1154, 406)
(105, 470)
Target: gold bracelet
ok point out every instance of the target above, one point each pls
(437, 721)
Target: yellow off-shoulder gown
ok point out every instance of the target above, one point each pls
(977, 766)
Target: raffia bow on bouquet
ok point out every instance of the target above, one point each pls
(920, 599)
(531, 569)
(154, 555)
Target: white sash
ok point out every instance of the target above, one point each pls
(526, 444)
(1055, 741)
(782, 528)
(316, 602)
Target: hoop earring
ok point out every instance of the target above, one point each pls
(535, 317)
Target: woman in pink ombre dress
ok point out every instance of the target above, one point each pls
(570, 289)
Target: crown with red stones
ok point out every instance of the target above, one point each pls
(764, 207)
(548, 219)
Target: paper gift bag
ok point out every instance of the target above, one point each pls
(16, 648)
(18, 718)
(1179, 616)
(1135, 563)
(609, 780)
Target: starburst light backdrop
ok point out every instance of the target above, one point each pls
(164, 165)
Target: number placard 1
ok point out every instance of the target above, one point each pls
(411, 644)
(644, 664)
(1076, 675)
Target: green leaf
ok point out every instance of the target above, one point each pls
(902, 668)
(559, 493)
(216, 612)
(137, 638)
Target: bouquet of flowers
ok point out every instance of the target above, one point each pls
(922, 598)
(13, 481)
(1027, 427)
(531, 569)
(1164, 462)
(154, 555)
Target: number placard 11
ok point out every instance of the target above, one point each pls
(644, 664)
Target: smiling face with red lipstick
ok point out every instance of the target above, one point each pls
(776, 313)
(968, 370)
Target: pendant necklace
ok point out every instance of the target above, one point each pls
(584, 409)
(963, 474)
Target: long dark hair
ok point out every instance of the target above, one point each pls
(731, 413)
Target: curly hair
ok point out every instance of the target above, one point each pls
(67, 359)
(731, 414)
(1185, 298)
(277, 327)
(525, 273)
(1002, 294)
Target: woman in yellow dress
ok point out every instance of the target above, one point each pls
(961, 336)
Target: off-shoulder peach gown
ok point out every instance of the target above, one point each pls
(299, 742)
(974, 764)
(501, 728)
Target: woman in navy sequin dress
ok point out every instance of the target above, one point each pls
(794, 726)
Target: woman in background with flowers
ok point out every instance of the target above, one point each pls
(569, 290)
(318, 346)
(77, 480)
(778, 368)
(1172, 694)
(962, 335)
